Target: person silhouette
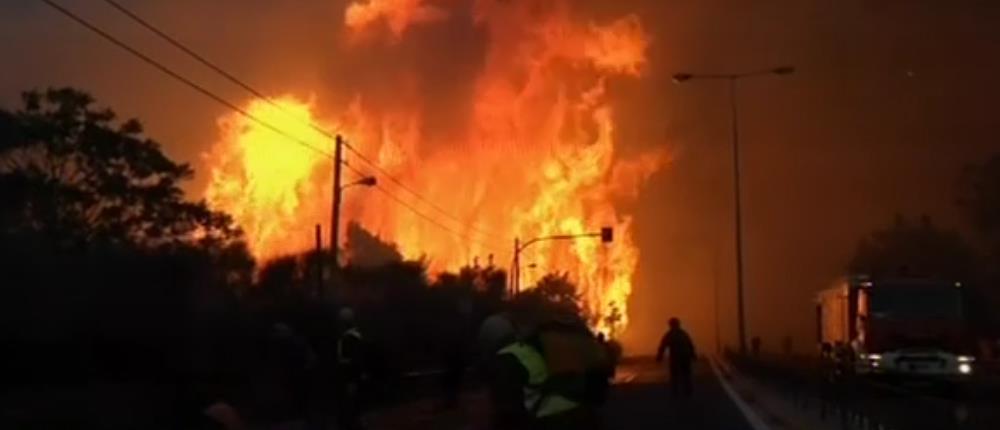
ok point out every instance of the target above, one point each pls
(682, 355)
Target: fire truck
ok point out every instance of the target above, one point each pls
(904, 328)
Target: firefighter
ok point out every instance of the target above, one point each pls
(495, 333)
(350, 371)
(290, 360)
(530, 400)
(682, 356)
(551, 375)
(601, 378)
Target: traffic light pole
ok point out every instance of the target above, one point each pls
(606, 234)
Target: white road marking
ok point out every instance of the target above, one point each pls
(751, 415)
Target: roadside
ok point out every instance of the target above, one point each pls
(775, 410)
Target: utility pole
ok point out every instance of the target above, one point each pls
(516, 282)
(715, 299)
(740, 304)
(606, 234)
(732, 79)
(338, 154)
(318, 261)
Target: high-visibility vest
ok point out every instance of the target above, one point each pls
(353, 332)
(535, 399)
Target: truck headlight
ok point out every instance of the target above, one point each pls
(966, 359)
(965, 368)
(875, 357)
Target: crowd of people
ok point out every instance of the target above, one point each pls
(542, 371)
(309, 383)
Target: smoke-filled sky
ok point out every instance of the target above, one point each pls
(890, 99)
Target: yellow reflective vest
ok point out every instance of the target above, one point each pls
(535, 400)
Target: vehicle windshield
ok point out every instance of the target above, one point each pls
(915, 302)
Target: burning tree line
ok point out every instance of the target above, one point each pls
(109, 271)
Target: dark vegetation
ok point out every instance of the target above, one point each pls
(920, 248)
(111, 275)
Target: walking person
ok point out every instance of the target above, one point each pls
(500, 371)
(350, 373)
(456, 352)
(682, 356)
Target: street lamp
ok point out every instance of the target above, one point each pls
(780, 71)
(606, 234)
(367, 181)
(338, 190)
(733, 78)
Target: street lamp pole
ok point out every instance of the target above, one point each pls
(738, 209)
(338, 190)
(338, 155)
(732, 79)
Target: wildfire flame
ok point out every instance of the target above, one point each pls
(536, 157)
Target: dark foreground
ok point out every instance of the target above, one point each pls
(645, 402)
(641, 400)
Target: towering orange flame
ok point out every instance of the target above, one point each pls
(536, 157)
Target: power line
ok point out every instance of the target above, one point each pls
(356, 170)
(242, 84)
(431, 220)
(219, 99)
(204, 91)
(429, 203)
(205, 62)
(177, 44)
(416, 211)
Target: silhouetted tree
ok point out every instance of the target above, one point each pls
(71, 175)
(558, 289)
(980, 200)
(277, 276)
(554, 293)
(365, 249)
(105, 261)
(919, 249)
(924, 250)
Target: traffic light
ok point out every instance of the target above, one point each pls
(607, 235)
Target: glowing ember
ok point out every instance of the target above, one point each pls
(536, 158)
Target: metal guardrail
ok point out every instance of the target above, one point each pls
(859, 404)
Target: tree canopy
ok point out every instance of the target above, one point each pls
(74, 176)
(980, 200)
(915, 249)
(95, 232)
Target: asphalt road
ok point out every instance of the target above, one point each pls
(642, 400)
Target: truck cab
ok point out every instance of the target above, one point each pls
(911, 328)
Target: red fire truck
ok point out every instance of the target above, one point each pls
(910, 328)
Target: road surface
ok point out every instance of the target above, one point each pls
(640, 400)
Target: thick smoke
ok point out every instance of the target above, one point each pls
(429, 64)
